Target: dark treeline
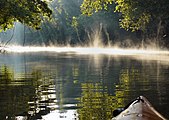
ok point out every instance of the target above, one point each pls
(70, 26)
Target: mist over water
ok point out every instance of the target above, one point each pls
(95, 46)
(69, 77)
(144, 54)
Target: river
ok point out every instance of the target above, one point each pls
(68, 86)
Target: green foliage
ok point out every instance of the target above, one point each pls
(90, 6)
(135, 14)
(28, 12)
(64, 26)
(69, 26)
(74, 22)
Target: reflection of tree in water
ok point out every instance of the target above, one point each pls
(96, 103)
(44, 98)
(136, 81)
(6, 75)
(144, 81)
(14, 94)
(99, 91)
(30, 96)
(132, 83)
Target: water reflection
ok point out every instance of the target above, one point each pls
(68, 86)
(96, 103)
(29, 96)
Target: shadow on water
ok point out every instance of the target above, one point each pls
(84, 87)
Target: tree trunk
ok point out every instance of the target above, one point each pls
(158, 38)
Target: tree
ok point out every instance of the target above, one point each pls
(135, 14)
(28, 12)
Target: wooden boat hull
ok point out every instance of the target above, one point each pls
(139, 109)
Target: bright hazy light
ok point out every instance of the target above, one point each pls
(85, 50)
(136, 53)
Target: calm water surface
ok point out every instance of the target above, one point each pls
(53, 86)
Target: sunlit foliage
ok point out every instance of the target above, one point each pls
(90, 6)
(135, 14)
(28, 12)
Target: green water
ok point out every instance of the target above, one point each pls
(85, 87)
